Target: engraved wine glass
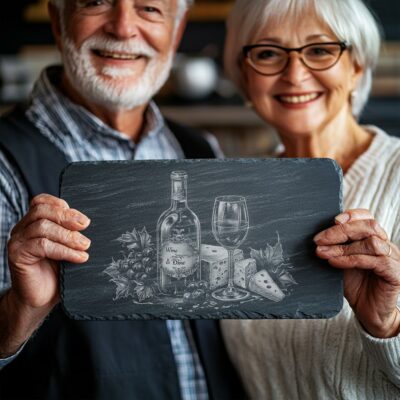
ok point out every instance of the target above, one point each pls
(230, 225)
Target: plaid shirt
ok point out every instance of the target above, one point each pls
(83, 137)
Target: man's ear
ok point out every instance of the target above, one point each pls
(55, 20)
(180, 31)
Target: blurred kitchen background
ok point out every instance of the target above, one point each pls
(197, 93)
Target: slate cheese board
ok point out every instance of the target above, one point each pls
(211, 239)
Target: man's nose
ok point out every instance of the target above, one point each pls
(123, 20)
(296, 72)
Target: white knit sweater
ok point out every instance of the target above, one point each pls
(329, 359)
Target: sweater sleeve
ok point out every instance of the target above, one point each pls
(384, 353)
(373, 183)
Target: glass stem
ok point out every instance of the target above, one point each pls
(230, 269)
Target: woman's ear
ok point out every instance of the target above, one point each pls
(357, 74)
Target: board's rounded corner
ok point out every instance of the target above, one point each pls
(63, 174)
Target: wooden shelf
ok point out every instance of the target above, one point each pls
(219, 116)
(206, 11)
(37, 12)
(201, 11)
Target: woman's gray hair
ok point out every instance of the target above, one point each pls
(183, 6)
(350, 20)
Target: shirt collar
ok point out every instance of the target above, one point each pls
(76, 120)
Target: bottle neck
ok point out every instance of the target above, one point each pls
(178, 193)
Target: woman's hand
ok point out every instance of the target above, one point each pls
(371, 264)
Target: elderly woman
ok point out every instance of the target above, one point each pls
(306, 67)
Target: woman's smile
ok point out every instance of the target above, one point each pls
(297, 100)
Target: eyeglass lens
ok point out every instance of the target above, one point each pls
(271, 59)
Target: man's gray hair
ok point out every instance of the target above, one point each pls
(183, 6)
(350, 20)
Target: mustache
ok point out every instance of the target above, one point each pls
(130, 46)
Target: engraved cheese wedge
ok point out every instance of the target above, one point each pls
(262, 284)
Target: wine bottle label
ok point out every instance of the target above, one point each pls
(179, 259)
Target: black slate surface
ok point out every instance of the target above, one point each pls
(289, 201)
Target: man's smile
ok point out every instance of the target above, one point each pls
(117, 55)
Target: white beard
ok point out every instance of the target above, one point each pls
(115, 93)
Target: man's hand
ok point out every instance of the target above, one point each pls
(371, 264)
(47, 234)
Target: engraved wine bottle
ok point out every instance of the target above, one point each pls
(178, 241)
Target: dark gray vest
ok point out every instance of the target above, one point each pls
(118, 360)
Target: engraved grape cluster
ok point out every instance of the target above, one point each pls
(135, 273)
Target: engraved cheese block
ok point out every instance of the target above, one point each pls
(244, 270)
(262, 284)
(214, 264)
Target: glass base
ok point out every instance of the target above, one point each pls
(230, 294)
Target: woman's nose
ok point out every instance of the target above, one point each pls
(123, 20)
(296, 72)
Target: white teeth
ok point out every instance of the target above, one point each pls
(298, 99)
(117, 56)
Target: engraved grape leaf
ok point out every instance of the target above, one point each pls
(135, 240)
(130, 239)
(144, 292)
(124, 288)
(286, 279)
(271, 258)
(145, 238)
(274, 255)
(113, 269)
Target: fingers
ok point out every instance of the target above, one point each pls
(50, 230)
(47, 229)
(68, 218)
(358, 241)
(385, 267)
(54, 211)
(43, 248)
(48, 199)
(372, 245)
(350, 231)
(393, 251)
(353, 215)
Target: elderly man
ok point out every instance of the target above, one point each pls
(116, 55)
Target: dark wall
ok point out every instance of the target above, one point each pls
(388, 13)
(15, 32)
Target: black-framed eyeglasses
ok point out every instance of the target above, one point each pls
(269, 59)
